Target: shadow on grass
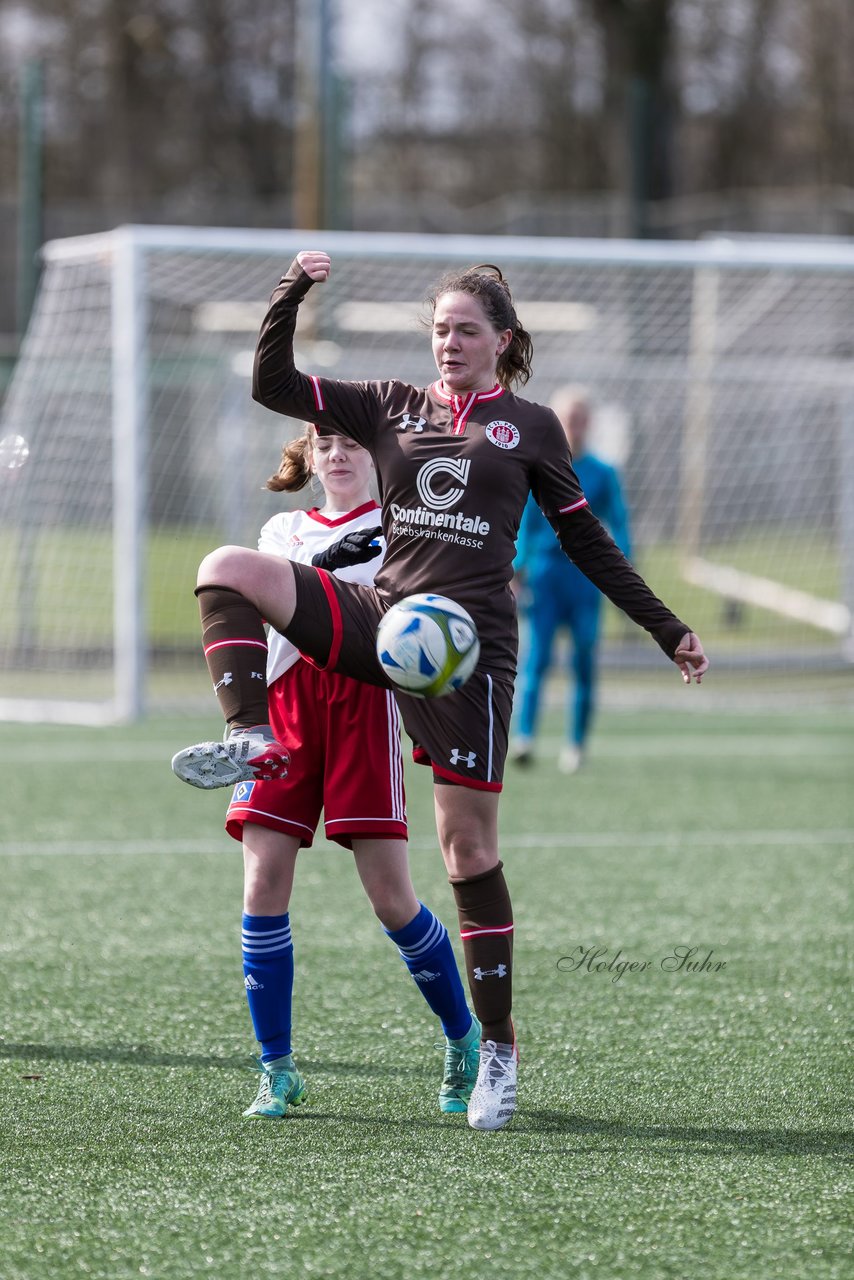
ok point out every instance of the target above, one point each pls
(533, 1121)
(142, 1055)
(310, 1113)
(696, 1139)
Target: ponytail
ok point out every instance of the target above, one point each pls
(294, 472)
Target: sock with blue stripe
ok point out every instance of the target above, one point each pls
(268, 976)
(426, 950)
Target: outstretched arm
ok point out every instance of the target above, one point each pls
(346, 407)
(589, 546)
(555, 487)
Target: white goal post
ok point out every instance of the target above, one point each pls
(720, 373)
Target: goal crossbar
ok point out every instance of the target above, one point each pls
(713, 252)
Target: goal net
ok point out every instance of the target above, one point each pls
(720, 375)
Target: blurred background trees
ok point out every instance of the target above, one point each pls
(596, 117)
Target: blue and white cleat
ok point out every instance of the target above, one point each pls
(462, 1058)
(281, 1087)
(245, 755)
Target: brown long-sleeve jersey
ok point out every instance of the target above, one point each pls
(454, 474)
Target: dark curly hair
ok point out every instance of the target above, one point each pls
(486, 283)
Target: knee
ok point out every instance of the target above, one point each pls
(225, 567)
(534, 668)
(468, 853)
(539, 654)
(392, 913)
(266, 890)
(264, 898)
(249, 572)
(585, 663)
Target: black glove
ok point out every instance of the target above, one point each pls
(353, 548)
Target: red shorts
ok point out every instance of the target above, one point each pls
(346, 760)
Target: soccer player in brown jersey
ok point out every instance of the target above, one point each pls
(455, 462)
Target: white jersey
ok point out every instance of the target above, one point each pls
(299, 535)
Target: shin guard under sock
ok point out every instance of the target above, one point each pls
(486, 929)
(235, 645)
(426, 950)
(268, 976)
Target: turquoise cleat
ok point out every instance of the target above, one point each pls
(281, 1087)
(462, 1059)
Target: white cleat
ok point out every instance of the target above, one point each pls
(522, 750)
(246, 755)
(493, 1099)
(570, 759)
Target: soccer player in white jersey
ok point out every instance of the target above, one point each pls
(344, 741)
(455, 463)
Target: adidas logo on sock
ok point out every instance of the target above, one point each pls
(251, 984)
(425, 976)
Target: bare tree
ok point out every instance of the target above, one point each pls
(185, 109)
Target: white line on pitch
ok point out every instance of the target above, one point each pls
(530, 840)
(635, 747)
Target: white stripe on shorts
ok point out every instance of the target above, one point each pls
(489, 751)
(395, 759)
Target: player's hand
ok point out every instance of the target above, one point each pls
(315, 264)
(690, 658)
(357, 547)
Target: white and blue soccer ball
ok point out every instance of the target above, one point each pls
(427, 645)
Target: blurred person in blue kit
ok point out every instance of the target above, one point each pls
(559, 595)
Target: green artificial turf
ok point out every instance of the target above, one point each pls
(671, 1124)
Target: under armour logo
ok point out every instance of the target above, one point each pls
(458, 757)
(407, 420)
(226, 679)
(498, 972)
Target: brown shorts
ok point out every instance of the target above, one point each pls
(463, 735)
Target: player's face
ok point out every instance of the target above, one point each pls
(465, 345)
(343, 468)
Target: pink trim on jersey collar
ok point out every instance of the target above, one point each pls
(436, 388)
(461, 406)
(314, 514)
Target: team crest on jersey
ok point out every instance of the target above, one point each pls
(502, 434)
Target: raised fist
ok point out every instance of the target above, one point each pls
(315, 264)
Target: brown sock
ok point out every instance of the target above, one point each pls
(486, 929)
(235, 646)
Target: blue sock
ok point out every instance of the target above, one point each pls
(426, 950)
(268, 973)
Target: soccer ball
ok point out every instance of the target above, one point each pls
(427, 645)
